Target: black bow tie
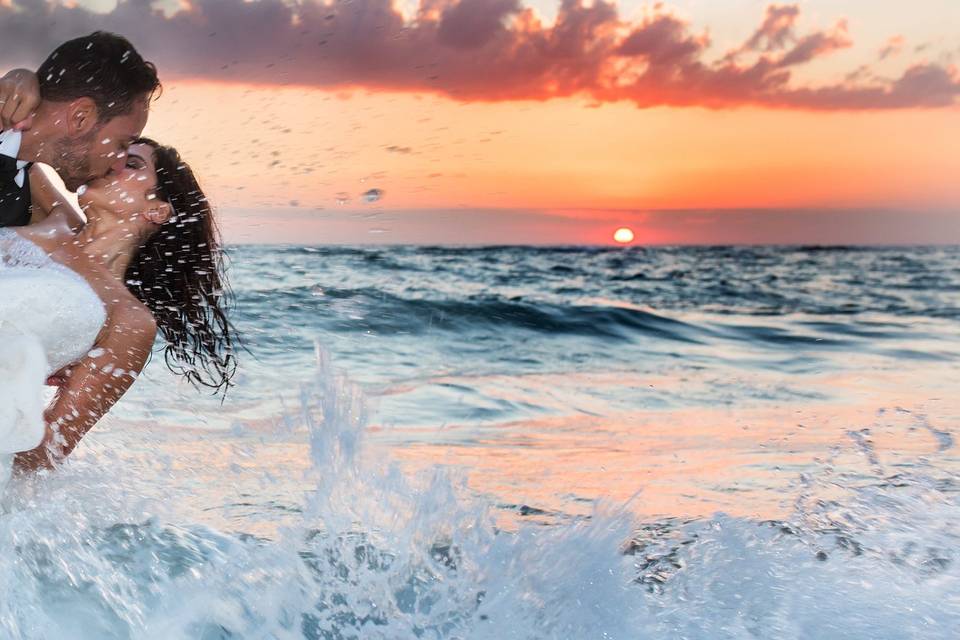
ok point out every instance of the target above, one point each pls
(9, 169)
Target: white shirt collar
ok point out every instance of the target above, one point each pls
(10, 147)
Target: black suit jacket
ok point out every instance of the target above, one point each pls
(15, 202)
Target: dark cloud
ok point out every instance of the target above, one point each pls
(893, 47)
(470, 24)
(927, 86)
(777, 29)
(816, 45)
(479, 50)
(664, 41)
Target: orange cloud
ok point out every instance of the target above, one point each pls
(485, 50)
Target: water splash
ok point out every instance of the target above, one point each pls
(376, 554)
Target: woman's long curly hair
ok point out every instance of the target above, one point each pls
(178, 274)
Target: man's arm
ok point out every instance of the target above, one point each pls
(19, 98)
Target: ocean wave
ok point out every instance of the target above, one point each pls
(386, 314)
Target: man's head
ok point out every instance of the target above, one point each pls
(101, 89)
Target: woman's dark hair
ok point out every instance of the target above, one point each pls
(101, 66)
(179, 274)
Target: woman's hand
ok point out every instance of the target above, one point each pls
(59, 378)
(40, 457)
(19, 98)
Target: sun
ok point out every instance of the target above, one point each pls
(623, 235)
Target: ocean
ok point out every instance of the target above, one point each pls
(519, 442)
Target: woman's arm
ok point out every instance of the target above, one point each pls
(94, 385)
(50, 203)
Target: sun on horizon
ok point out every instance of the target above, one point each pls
(623, 235)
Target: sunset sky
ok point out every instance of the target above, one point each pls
(500, 121)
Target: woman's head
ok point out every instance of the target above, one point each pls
(178, 270)
(130, 195)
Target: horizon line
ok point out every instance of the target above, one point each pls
(612, 245)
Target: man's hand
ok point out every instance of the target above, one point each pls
(19, 98)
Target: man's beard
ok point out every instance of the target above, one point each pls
(73, 157)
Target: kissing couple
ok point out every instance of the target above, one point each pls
(83, 297)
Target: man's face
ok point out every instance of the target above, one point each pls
(95, 154)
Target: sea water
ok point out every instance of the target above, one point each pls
(512, 442)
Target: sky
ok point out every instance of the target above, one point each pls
(501, 121)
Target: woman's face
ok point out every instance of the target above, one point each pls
(129, 193)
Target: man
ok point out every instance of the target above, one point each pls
(95, 94)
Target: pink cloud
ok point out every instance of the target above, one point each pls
(482, 50)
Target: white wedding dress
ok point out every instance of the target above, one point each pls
(49, 317)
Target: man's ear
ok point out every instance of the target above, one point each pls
(159, 213)
(82, 116)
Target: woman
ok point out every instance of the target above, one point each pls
(93, 298)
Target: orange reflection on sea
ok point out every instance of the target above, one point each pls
(693, 462)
